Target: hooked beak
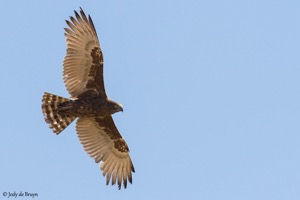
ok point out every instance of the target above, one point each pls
(119, 108)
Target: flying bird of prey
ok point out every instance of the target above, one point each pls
(83, 78)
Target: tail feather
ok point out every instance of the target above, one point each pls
(54, 109)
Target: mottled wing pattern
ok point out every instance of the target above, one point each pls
(83, 63)
(102, 141)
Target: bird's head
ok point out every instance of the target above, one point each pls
(115, 106)
(118, 107)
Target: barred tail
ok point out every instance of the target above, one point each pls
(55, 112)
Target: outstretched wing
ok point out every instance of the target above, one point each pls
(102, 141)
(83, 63)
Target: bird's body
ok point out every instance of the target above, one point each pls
(91, 107)
(83, 77)
(96, 106)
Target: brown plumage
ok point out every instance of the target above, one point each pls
(83, 77)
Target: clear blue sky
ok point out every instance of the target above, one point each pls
(211, 95)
